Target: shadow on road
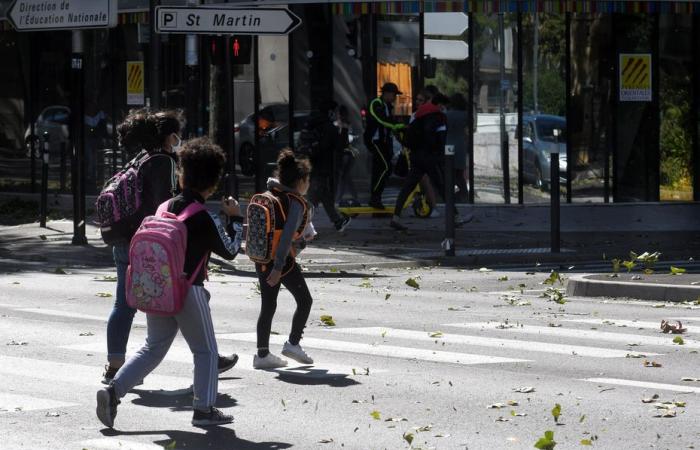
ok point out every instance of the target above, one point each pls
(213, 438)
(176, 401)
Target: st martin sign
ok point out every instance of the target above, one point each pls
(225, 20)
(43, 15)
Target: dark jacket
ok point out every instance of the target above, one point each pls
(323, 160)
(206, 233)
(431, 130)
(381, 122)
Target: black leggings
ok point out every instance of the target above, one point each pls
(294, 281)
(421, 166)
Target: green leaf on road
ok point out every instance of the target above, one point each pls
(366, 283)
(503, 278)
(553, 278)
(435, 334)
(677, 270)
(328, 320)
(387, 296)
(547, 442)
(678, 340)
(103, 294)
(375, 415)
(408, 437)
(170, 446)
(629, 265)
(556, 412)
(586, 442)
(413, 283)
(583, 417)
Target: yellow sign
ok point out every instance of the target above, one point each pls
(635, 77)
(134, 83)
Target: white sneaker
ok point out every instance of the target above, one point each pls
(296, 353)
(268, 362)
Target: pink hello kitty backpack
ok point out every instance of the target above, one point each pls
(155, 280)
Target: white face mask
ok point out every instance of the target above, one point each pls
(178, 146)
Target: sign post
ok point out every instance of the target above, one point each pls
(256, 21)
(449, 243)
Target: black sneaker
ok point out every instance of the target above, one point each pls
(227, 362)
(107, 406)
(210, 418)
(109, 374)
(342, 223)
(398, 226)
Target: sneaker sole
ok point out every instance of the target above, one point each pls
(224, 369)
(103, 409)
(210, 423)
(297, 358)
(341, 229)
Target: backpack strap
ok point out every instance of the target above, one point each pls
(191, 209)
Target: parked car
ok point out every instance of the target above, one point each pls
(542, 136)
(55, 120)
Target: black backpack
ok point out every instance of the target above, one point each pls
(412, 135)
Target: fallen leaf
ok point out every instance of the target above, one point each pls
(424, 428)
(375, 415)
(651, 364)
(586, 442)
(435, 334)
(396, 419)
(582, 418)
(412, 283)
(547, 442)
(667, 413)
(502, 419)
(513, 403)
(503, 278)
(651, 399)
(325, 441)
(171, 446)
(677, 270)
(52, 414)
(327, 320)
(387, 296)
(496, 406)
(13, 342)
(517, 414)
(524, 390)
(635, 355)
(408, 437)
(556, 412)
(87, 333)
(678, 340)
(690, 379)
(103, 294)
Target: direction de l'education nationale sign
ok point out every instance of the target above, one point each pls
(255, 21)
(43, 15)
(635, 77)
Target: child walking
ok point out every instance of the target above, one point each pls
(200, 166)
(293, 228)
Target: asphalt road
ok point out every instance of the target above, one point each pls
(439, 364)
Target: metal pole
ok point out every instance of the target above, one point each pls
(44, 180)
(449, 243)
(521, 195)
(505, 163)
(569, 113)
(78, 183)
(113, 80)
(535, 64)
(154, 57)
(258, 160)
(228, 128)
(472, 114)
(63, 167)
(192, 79)
(554, 199)
(33, 115)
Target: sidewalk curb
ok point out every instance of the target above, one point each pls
(581, 286)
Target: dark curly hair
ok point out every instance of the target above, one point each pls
(291, 169)
(145, 129)
(201, 164)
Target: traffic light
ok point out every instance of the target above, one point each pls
(240, 49)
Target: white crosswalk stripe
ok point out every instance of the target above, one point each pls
(645, 384)
(117, 444)
(631, 324)
(14, 402)
(532, 346)
(627, 338)
(388, 351)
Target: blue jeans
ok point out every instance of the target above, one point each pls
(119, 323)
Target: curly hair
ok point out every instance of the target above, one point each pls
(145, 129)
(201, 164)
(291, 169)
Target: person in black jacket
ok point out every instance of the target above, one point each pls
(324, 155)
(200, 168)
(429, 133)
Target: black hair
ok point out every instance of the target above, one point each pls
(430, 91)
(440, 99)
(201, 164)
(290, 169)
(144, 129)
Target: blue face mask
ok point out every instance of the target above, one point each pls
(178, 146)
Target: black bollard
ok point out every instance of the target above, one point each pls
(554, 198)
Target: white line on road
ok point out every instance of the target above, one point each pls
(644, 384)
(117, 444)
(578, 334)
(532, 346)
(182, 354)
(388, 351)
(631, 323)
(72, 315)
(10, 403)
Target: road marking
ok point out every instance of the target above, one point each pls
(579, 334)
(182, 354)
(10, 403)
(644, 384)
(117, 444)
(630, 323)
(79, 374)
(71, 315)
(532, 346)
(388, 351)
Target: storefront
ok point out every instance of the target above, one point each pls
(612, 86)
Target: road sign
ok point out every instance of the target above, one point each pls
(225, 20)
(635, 77)
(445, 23)
(42, 15)
(446, 50)
(134, 83)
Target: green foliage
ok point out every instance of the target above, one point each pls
(547, 442)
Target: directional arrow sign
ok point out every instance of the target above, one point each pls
(448, 50)
(225, 21)
(445, 23)
(42, 15)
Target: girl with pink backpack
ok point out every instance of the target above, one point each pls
(155, 283)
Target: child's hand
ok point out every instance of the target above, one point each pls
(230, 206)
(274, 278)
